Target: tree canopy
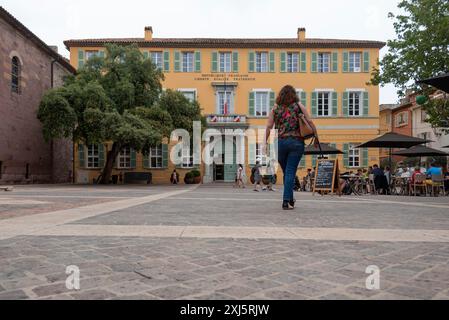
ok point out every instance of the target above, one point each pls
(117, 98)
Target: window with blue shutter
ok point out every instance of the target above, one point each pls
(365, 158)
(314, 66)
(272, 99)
(80, 58)
(335, 62)
(366, 61)
(303, 62)
(235, 62)
(166, 61)
(303, 98)
(197, 61)
(334, 104)
(283, 61)
(101, 158)
(346, 155)
(345, 104)
(177, 61)
(314, 161)
(133, 158)
(165, 155)
(145, 160)
(302, 163)
(365, 103)
(272, 61)
(314, 103)
(81, 156)
(214, 66)
(251, 61)
(345, 61)
(146, 55)
(251, 104)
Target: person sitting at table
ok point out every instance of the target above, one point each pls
(434, 169)
(387, 173)
(413, 177)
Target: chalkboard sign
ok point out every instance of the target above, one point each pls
(326, 176)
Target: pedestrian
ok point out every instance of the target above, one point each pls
(271, 172)
(239, 179)
(174, 179)
(285, 117)
(257, 176)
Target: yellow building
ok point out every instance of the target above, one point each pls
(244, 76)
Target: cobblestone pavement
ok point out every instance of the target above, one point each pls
(131, 266)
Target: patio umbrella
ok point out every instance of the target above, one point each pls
(325, 149)
(420, 151)
(393, 140)
(445, 147)
(440, 82)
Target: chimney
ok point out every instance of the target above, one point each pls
(301, 34)
(148, 33)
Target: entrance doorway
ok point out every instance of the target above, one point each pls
(226, 170)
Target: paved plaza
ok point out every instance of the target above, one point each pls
(217, 242)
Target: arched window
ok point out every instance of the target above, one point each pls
(15, 75)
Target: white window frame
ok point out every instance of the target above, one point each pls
(351, 100)
(187, 91)
(324, 62)
(260, 155)
(355, 61)
(401, 119)
(93, 156)
(124, 158)
(188, 61)
(354, 159)
(322, 99)
(261, 61)
(260, 107)
(157, 57)
(292, 63)
(91, 53)
(155, 153)
(221, 97)
(225, 61)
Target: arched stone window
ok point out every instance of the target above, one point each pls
(15, 74)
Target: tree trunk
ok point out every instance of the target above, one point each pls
(110, 159)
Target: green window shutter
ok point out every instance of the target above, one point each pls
(165, 155)
(304, 98)
(251, 61)
(214, 61)
(146, 55)
(345, 61)
(166, 61)
(145, 160)
(314, 67)
(365, 157)
(101, 53)
(302, 163)
(346, 155)
(252, 154)
(365, 103)
(314, 160)
(235, 62)
(303, 63)
(314, 104)
(272, 99)
(335, 62)
(334, 104)
(272, 61)
(133, 158)
(101, 155)
(177, 61)
(80, 58)
(251, 103)
(81, 156)
(197, 61)
(345, 104)
(366, 61)
(283, 61)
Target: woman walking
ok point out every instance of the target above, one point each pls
(285, 117)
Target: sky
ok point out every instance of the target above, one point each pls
(57, 20)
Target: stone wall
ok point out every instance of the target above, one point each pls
(22, 146)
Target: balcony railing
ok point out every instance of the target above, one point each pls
(226, 119)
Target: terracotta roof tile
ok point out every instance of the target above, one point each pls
(228, 43)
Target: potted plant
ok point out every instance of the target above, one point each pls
(196, 176)
(188, 179)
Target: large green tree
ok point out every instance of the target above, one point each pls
(117, 98)
(420, 51)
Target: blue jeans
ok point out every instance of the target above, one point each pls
(290, 152)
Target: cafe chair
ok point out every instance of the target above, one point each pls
(436, 182)
(418, 183)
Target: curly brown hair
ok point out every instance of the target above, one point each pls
(287, 96)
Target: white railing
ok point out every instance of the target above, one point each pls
(229, 118)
